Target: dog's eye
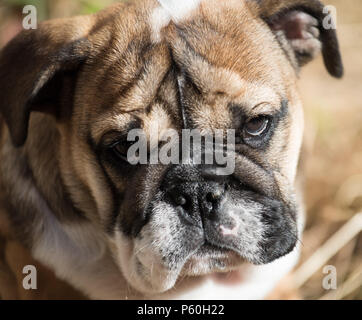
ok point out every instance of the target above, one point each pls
(121, 150)
(257, 126)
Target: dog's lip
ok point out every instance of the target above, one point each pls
(211, 259)
(209, 248)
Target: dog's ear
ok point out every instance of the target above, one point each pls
(303, 28)
(37, 71)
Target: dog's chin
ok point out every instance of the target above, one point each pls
(151, 277)
(209, 260)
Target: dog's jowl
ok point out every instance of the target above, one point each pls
(73, 89)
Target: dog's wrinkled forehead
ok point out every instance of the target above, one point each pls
(223, 33)
(222, 48)
(211, 47)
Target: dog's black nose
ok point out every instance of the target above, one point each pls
(196, 191)
(198, 199)
(211, 199)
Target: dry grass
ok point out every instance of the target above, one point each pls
(332, 161)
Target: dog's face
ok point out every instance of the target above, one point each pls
(217, 65)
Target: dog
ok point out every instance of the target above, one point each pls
(72, 90)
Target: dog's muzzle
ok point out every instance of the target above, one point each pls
(200, 198)
(228, 213)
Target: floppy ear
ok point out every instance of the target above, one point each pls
(37, 71)
(300, 30)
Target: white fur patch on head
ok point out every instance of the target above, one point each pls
(179, 9)
(170, 10)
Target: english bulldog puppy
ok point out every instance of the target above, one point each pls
(73, 89)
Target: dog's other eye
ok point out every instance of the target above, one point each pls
(121, 149)
(257, 126)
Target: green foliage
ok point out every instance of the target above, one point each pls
(91, 6)
(41, 6)
(44, 6)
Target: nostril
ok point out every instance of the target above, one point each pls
(184, 196)
(214, 196)
(212, 199)
(180, 201)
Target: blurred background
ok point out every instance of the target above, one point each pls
(332, 158)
